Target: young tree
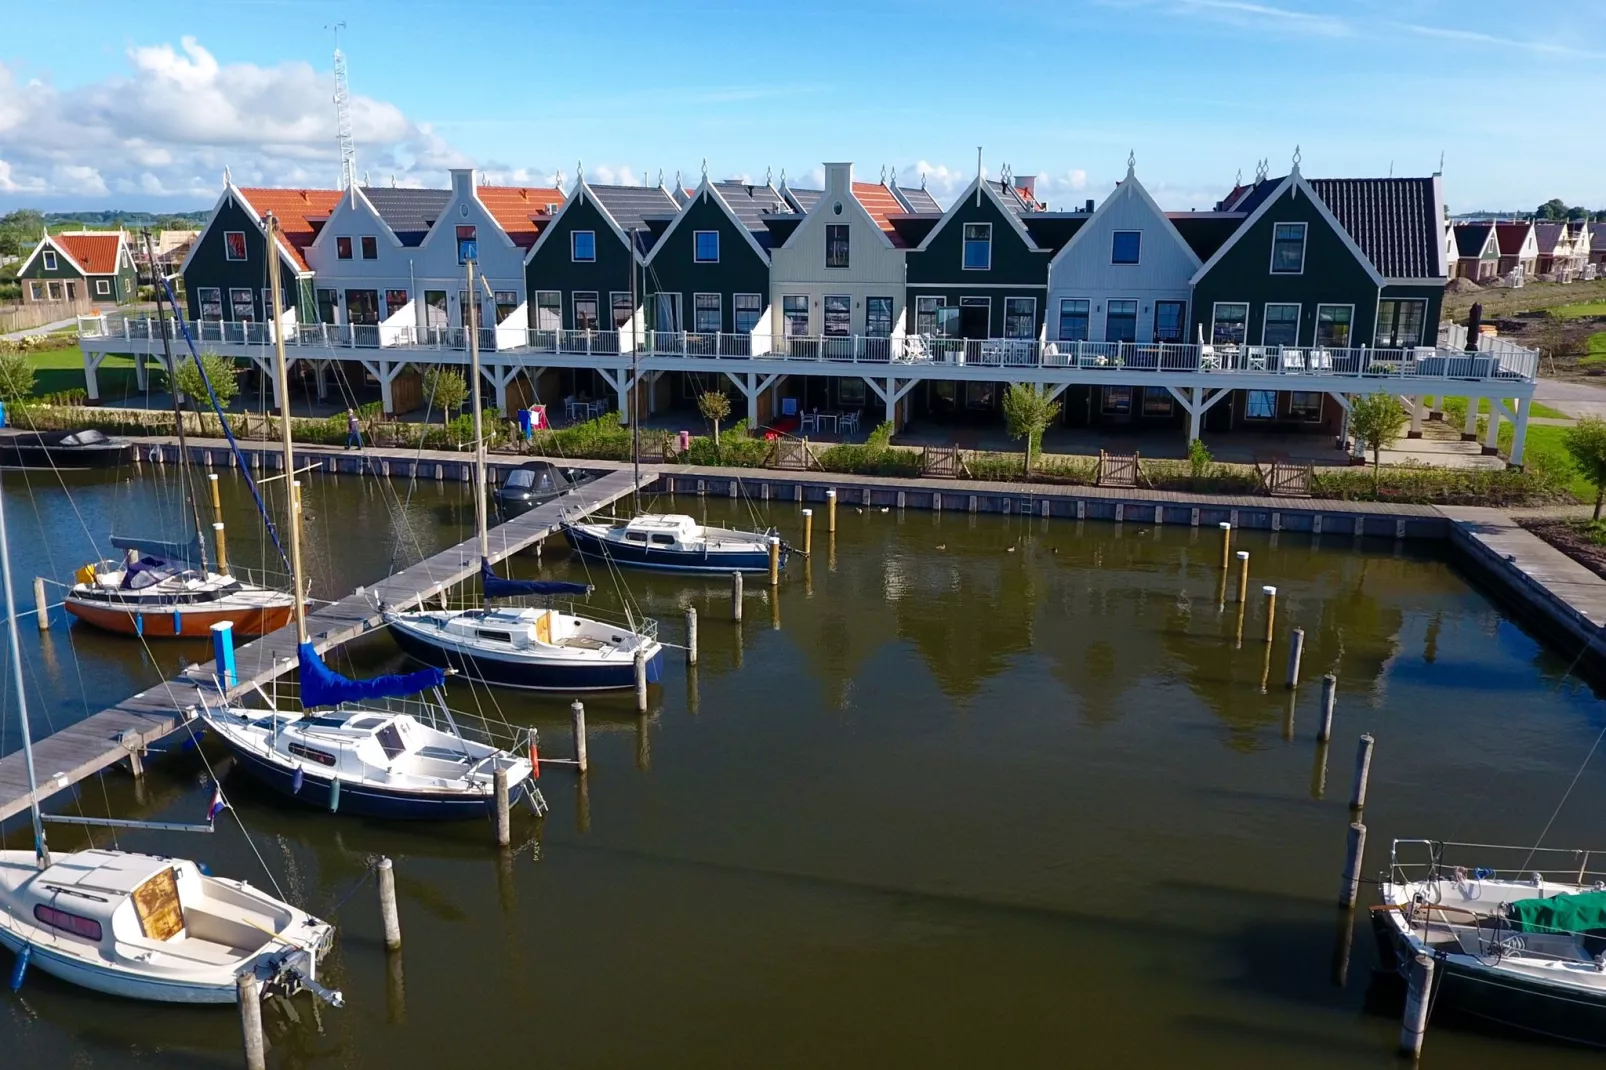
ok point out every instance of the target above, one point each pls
(221, 372)
(1586, 442)
(715, 405)
(16, 377)
(1375, 419)
(1029, 411)
(445, 389)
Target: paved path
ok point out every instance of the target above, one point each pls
(1572, 398)
(46, 329)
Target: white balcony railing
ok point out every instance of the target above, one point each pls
(1493, 359)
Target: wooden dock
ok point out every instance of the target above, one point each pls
(78, 751)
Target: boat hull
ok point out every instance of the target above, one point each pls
(114, 982)
(528, 673)
(710, 561)
(181, 622)
(64, 458)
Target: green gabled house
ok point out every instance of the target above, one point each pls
(76, 266)
(226, 271)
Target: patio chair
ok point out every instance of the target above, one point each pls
(1209, 361)
(1255, 358)
(1293, 360)
(849, 423)
(570, 405)
(1321, 360)
(810, 421)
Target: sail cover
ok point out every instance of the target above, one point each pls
(322, 686)
(1583, 912)
(497, 587)
(188, 553)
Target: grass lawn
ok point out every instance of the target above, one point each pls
(1594, 351)
(56, 370)
(1457, 411)
(1572, 312)
(1545, 444)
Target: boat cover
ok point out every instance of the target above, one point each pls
(322, 686)
(497, 587)
(147, 572)
(1583, 912)
(188, 553)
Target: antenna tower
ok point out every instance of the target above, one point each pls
(348, 144)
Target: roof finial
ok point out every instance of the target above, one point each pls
(894, 177)
(1260, 171)
(557, 179)
(393, 180)
(227, 181)
(1131, 162)
(922, 180)
(705, 168)
(1238, 179)
(883, 174)
(783, 176)
(579, 171)
(1440, 171)
(1296, 157)
(678, 186)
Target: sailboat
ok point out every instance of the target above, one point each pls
(165, 589)
(372, 762)
(543, 649)
(137, 925)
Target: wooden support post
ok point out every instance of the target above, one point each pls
(775, 561)
(577, 717)
(808, 531)
(1271, 610)
(1350, 891)
(641, 681)
(736, 597)
(1243, 576)
(387, 903)
(830, 511)
(256, 1052)
(691, 635)
(1418, 1001)
(1363, 771)
(222, 548)
(504, 830)
(41, 607)
(1296, 650)
(136, 761)
(1324, 730)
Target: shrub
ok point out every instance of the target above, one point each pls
(1029, 411)
(445, 390)
(16, 377)
(1586, 445)
(1376, 421)
(221, 372)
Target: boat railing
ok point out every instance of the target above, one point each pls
(646, 627)
(1413, 860)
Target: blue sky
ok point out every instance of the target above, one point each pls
(146, 111)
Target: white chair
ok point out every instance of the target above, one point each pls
(1255, 358)
(1209, 361)
(810, 421)
(570, 405)
(850, 423)
(1293, 360)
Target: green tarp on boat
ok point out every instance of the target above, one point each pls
(1584, 912)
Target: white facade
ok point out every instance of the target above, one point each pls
(1085, 269)
(387, 274)
(435, 262)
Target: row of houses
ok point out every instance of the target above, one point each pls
(1525, 250)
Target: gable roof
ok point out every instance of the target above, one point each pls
(631, 206)
(918, 199)
(803, 199)
(295, 209)
(998, 199)
(881, 203)
(1472, 238)
(1512, 236)
(408, 212)
(1128, 188)
(1395, 221)
(96, 252)
(49, 240)
(1205, 232)
(1597, 236)
(1549, 235)
(521, 211)
(750, 203)
(1294, 181)
(711, 190)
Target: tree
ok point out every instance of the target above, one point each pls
(715, 405)
(1555, 208)
(221, 372)
(1029, 411)
(1375, 419)
(446, 389)
(16, 377)
(19, 231)
(1586, 442)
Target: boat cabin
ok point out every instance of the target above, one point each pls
(668, 531)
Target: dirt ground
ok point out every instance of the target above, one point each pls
(1522, 316)
(1565, 536)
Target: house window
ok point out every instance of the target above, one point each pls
(1288, 249)
(505, 302)
(623, 309)
(1399, 323)
(1020, 317)
(1126, 246)
(103, 287)
(838, 316)
(926, 314)
(1260, 404)
(836, 245)
(1121, 321)
(980, 396)
(468, 244)
(242, 306)
(978, 246)
(706, 313)
(1231, 321)
(50, 258)
(583, 246)
(55, 291)
(210, 299)
(548, 310)
(1332, 325)
(37, 289)
(329, 304)
(850, 393)
(795, 309)
(362, 307)
(749, 309)
(1073, 319)
(878, 317)
(1116, 401)
(1168, 320)
(585, 311)
(705, 246)
(72, 291)
(395, 301)
(666, 314)
(342, 249)
(1157, 401)
(465, 308)
(1281, 327)
(975, 317)
(234, 245)
(370, 247)
(1305, 405)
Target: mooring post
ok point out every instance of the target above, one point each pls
(641, 681)
(1271, 610)
(1296, 650)
(1243, 576)
(736, 597)
(775, 561)
(830, 512)
(808, 531)
(577, 717)
(691, 635)
(387, 904)
(1363, 770)
(256, 1054)
(222, 548)
(1226, 544)
(1324, 731)
(1353, 854)
(1418, 1001)
(40, 606)
(504, 829)
(223, 653)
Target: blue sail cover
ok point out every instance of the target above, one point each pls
(497, 587)
(322, 686)
(187, 553)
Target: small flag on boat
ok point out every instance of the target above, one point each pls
(217, 803)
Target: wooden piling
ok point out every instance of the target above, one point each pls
(1296, 651)
(775, 561)
(1271, 610)
(577, 717)
(808, 531)
(691, 635)
(736, 597)
(1363, 770)
(256, 1051)
(1243, 576)
(41, 607)
(1418, 1001)
(388, 914)
(830, 511)
(1353, 854)
(222, 548)
(641, 681)
(1226, 544)
(1324, 730)
(504, 829)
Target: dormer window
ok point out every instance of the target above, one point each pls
(583, 246)
(705, 246)
(978, 246)
(1126, 246)
(50, 259)
(1288, 249)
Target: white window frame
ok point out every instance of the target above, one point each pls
(574, 255)
(964, 244)
(53, 288)
(245, 251)
(1126, 263)
(737, 310)
(200, 301)
(926, 301)
(1215, 318)
(892, 314)
(719, 307)
(696, 259)
(1377, 320)
(1031, 314)
(574, 310)
(103, 287)
(1350, 343)
(1304, 239)
(613, 306)
(233, 304)
(49, 257)
(362, 246)
(558, 304)
(1299, 310)
(37, 289)
(786, 316)
(847, 263)
(825, 303)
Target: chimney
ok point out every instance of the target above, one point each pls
(1088, 208)
(463, 183)
(1027, 184)
(839, 178)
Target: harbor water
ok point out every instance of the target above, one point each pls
(964, 791)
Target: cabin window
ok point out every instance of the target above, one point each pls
(978, 246)
(1230, 323)
(1288, 249)
(1399, 323)
(663, 540)
(1281, 327)
(926, 314)
(623, 309)
(210, 299)
(878, 317)
(342, 248)
(749, 309)
(1305, 405)
(836, 245)
(636, 537)
(242, 305)
(583, 246)
(391, 741)
(370, 247)
(1020, 317)
(494, 636)
(234, 245)
(1168, 317)
(1073, 319)
(1126, 246)
(88, 928)
(1332, 325)
(50, 259)
(795, 308)
(468, 244)
(548, 310)
(1121, 321)
(1260, 404)
(312, 754)
(705, 246)
(585, 311)
(706, 313)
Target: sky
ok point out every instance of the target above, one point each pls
(102, 108)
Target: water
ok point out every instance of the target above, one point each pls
(995, 792)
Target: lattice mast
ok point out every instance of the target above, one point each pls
(348, 143)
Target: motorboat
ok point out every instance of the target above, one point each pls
(535, 483)
(676, 542)
(1517, 948)
(158, 590)
(63, 450)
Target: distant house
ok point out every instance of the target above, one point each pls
(1559, 257)
(1597, 248)
(226, 271)
(1477, 251)
(1582, 234)
(80, 265)
(1519, 249)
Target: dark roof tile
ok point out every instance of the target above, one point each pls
(1396, 222)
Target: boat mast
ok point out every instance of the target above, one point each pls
(283, 381)
(41, 852)
(474, 399)
(188, 484)
(635, 377)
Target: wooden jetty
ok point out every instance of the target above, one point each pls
(78, 751)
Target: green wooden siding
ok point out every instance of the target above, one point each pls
(64, 268)
(1015, 269)
(674, 267)
(553, 268)
(210, 267)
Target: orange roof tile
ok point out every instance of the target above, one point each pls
(517, 209)
(879, 201)
(295, 210)
(94, 252)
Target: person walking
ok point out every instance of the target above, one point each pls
(353, 430)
